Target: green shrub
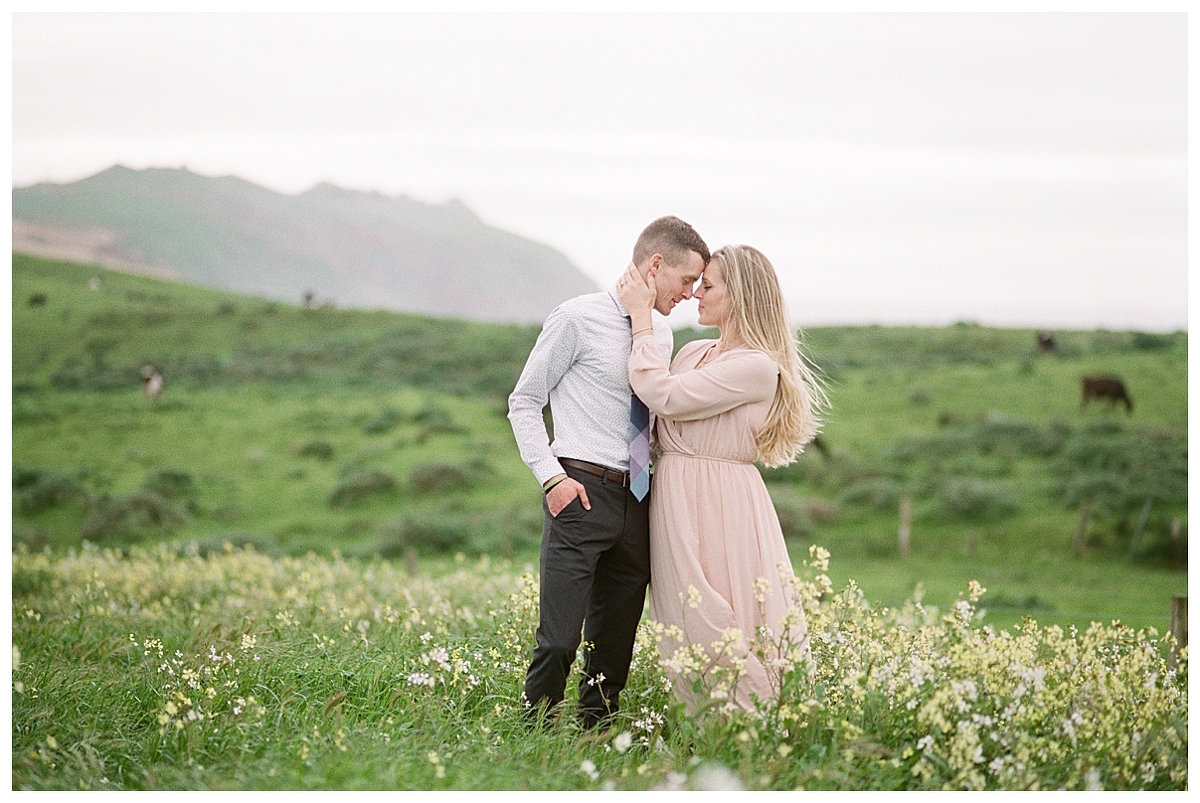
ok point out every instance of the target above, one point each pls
(385, 421)
(1015, 437)
(793, 519)
(1147, 341)
(972, 499)
(362, 485)
(877, 493)
(130, 518)
(425, 532)
(1119, 469)
(23, 477)
(446, 477)
(322, 450)
(40, 490)
(26, 537)
(171, 483)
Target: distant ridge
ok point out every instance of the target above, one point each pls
(352, 248)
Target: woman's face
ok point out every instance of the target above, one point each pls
(713, 295)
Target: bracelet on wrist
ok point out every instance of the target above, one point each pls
(637, 332)
(553, 481)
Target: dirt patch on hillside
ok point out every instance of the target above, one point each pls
(88, 246)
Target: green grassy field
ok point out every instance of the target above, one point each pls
(376, 433)
(365, 462)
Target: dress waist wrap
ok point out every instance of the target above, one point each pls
(707, 457)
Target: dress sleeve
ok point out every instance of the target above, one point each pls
(743, 378)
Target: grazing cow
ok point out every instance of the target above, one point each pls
(1108, 388)
(152, 383)
(1045, 342)
(37, 300)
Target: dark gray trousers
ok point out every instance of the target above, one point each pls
(595, 566)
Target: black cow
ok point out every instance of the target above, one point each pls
(37, 300)
(1105, 387)
(1045, 342)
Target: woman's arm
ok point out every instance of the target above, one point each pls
(743, 378)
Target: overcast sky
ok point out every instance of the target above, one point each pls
(1020, 170)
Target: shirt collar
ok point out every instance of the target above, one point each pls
(617, 300)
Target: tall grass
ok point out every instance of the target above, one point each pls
(161, 669)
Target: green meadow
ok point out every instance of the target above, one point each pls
(378, 433)
(296, 450)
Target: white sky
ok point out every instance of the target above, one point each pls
(1024, 170)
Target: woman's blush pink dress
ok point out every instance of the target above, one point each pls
(719, 568)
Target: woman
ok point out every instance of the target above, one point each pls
(720, 577)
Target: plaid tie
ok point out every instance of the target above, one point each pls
(639, 448)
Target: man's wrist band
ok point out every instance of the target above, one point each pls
(552, 482)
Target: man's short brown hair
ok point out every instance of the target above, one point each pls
(672, 238)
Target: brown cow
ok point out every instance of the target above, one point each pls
(1108, 388)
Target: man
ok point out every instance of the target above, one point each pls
(595, 559)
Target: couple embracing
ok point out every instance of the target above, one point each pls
(701, 531)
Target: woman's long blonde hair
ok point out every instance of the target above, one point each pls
(759, 319)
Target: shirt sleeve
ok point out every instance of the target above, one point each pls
(552, 355)
(744, 378)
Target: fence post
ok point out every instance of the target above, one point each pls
(1178, 630)
(1081, 531)
(506, 550)
(905, 534)
(410, 560)
(1137, 531)
(971, 537)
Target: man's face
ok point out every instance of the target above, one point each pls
(675, 281)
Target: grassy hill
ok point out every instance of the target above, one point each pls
(381, 433)
(358, 249)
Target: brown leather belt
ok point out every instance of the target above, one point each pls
(596, 470)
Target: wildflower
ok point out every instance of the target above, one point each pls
(623, 741)
(673, 783)
(820, 558)
(716, 778)
(964, 610)
(975, 591)
(588, 768)
(421, 679)
(439, 656)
